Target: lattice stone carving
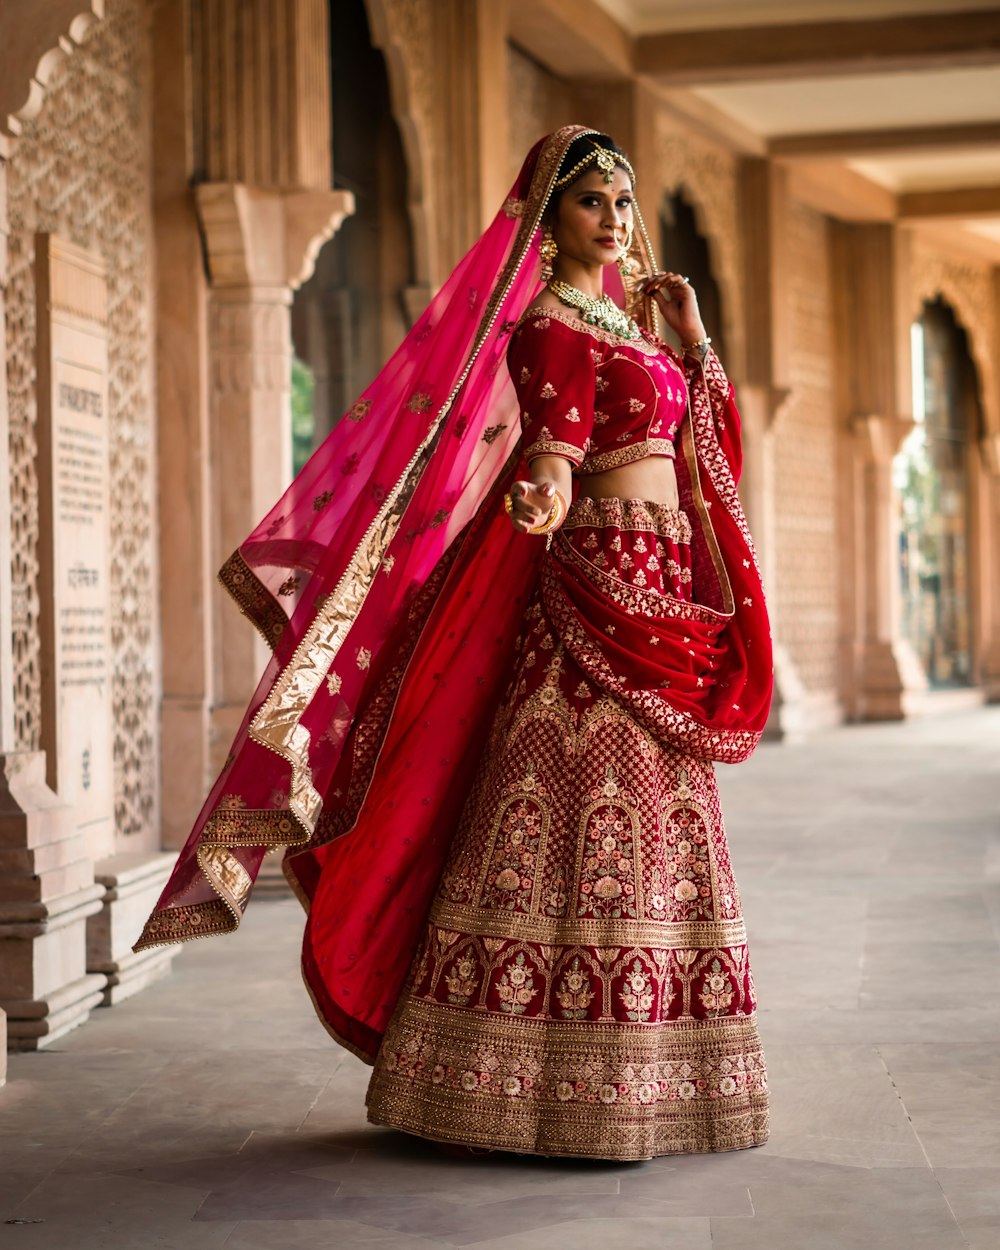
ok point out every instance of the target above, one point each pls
(81, 170)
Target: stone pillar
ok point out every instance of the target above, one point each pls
(260, 245)
(988, 537)
(882, 673)
(763, 388)
(47, 887)
(988, 521)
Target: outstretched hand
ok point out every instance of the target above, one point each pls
(678, 304)
(531, 504)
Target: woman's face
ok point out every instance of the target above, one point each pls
(593, 217)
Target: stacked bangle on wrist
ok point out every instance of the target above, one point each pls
(699, 348)
(557, 514)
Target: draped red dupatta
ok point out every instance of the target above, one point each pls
(391, 587)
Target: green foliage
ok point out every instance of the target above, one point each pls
(303, 419)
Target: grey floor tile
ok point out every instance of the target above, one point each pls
(595, 1232)
(320, 1235)
(837, 1104)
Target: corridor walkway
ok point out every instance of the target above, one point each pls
(212, 1111)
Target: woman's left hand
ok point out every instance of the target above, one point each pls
(676, 299)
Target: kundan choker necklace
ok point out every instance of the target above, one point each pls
(601, 312)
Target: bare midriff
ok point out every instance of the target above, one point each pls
(652, 478)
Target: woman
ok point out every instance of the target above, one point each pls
(489, 755)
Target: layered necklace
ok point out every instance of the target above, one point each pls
(602, 311)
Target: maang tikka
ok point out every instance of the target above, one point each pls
(548, 252)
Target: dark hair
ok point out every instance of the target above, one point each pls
(578, 151)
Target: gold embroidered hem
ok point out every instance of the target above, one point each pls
(587, 1090)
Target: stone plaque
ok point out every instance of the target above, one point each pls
(74, 530)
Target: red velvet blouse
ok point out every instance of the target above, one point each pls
(586, 394)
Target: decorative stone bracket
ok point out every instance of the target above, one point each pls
(256, 238)
(880, 436)
(990, 447)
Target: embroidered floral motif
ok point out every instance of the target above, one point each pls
(320, 502)
(290, 585)
(492, 433)
(548, 391)
(419, 402)
(607, 873)
(574, 994)
(334, 681)
(462, 978)
(637, 995)
(516, 987)
(687, 862)
(364, 658)
(359, 410)
(716, 993)
(572, 415)
(525, 375)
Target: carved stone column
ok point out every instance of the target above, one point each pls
(260, 246)
(763, 388)
(988, 532)
(882, 675)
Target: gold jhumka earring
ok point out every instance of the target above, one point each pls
(625, 263)
(548, 252)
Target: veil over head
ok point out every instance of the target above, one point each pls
(390, 587)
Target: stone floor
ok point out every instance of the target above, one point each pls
(212, 1111)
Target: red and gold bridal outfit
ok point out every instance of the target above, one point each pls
(440, 683)
(583, 986)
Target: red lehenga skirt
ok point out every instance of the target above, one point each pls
(583, 986)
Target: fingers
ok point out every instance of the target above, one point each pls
(531, 503)
(670, 285)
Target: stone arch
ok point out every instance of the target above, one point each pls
(967, 290)
(32, 51)
(708, 179)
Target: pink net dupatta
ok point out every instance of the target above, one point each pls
(339, 568)
(392, 587)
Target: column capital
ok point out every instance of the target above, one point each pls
(879, 436)
(261, 238)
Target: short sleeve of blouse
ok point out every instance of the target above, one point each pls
(552, 367)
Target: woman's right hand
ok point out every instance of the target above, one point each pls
(531, 504)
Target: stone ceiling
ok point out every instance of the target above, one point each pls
(896, 104)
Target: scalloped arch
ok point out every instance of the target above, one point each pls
(965, 289)
(31, 53)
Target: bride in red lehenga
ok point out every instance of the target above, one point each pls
(489, 755)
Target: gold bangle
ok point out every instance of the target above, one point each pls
(701, 346)
(557, 514)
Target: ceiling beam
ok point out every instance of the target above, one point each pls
(806, 49)
(840, 192)
(572, 38)
(847, 144)
(712, 122)
(966, 202)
